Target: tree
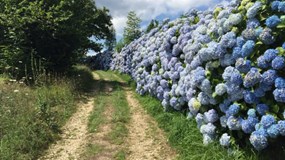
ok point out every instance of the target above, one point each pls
(132, 30)
(120, 45)
(55, 31)
(110, 41)
(152, 24)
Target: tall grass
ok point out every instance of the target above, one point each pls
(31, 116)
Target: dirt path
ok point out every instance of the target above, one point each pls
(74, 136)
(146, 141)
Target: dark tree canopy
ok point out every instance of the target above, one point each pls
(56, 31)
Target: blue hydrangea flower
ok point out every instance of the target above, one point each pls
(280, 82)
(273, 131)
(240, 42)
(252, 23)
(266, 36)
(223, 121)
(249, 97)
(272, 21)
(275, 5)
(270, 54)
(249, 34)
(225, 140)
(234, 123)
(268, 77)
(243, 65)
(281, 7)
(262, 63)
(278, 63)
(253, 10)
(281, 127)
(262, 109)
(199, 119)
(209, 129)
(228, 40)
(225, 105)
(207, 139)
(252, 77)
(279, 95)
(248, 125)
(259, 92)
(283, 45)
(247, 48)
(220, 89)
(259, 141)
(251, 112)
(233, 110)
(267, 120)
(211, 116)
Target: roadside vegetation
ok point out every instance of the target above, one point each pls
(31, 116)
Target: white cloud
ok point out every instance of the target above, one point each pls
(148, 9)
(119, 23)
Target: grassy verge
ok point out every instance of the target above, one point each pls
(31, 117)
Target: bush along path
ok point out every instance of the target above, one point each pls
(115, 128)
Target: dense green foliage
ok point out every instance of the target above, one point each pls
(53, 34)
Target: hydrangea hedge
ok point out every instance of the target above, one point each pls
(225, 66)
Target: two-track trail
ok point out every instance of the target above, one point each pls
(141, 139)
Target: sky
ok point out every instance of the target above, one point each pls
(150, 9)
